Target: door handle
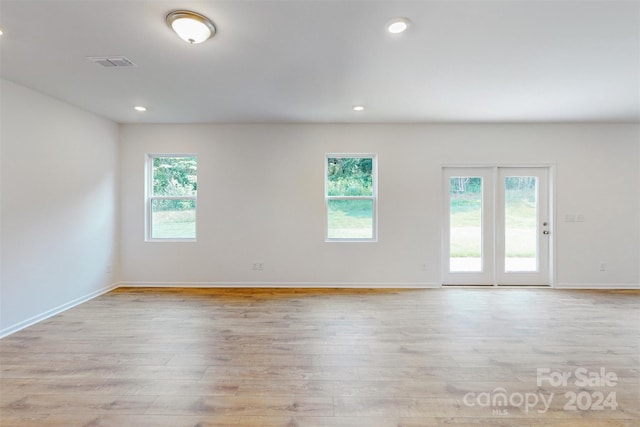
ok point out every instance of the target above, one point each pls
(545, 232)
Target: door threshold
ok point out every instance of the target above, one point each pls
(524, 286)
(451, 285)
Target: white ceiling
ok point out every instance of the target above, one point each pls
(311, 61)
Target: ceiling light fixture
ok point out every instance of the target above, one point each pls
(358, 108)
(190, 26)
(140, 108)
(398, 25)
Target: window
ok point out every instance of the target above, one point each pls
(351, 197)
(172, 188)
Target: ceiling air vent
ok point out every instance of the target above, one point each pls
(112, 61)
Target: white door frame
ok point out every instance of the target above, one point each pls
(492, 265)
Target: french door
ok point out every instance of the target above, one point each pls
(496, 227)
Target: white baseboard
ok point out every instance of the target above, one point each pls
(356, 285)
(59, 309)
(610, 286)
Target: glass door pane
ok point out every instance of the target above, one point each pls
(521, 224)
(465, 224)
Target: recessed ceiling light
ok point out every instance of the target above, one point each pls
(358, 108)
(398, 25)
(190, 26)
(140, 108)
(1, 32)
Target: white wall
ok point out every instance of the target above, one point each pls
(261, 199)
(59, 206)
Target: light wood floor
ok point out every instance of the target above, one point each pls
(223, 357)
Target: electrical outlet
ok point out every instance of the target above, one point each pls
(108, 269)
(603, 266)
(258, 266)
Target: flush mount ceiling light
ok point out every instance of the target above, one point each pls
(358, 108)
(398, 25)
(140, 108)
(191, 26)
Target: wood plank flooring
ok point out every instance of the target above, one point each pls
(323, 357)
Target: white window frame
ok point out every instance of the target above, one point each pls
(149, 198)
(373, 197)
